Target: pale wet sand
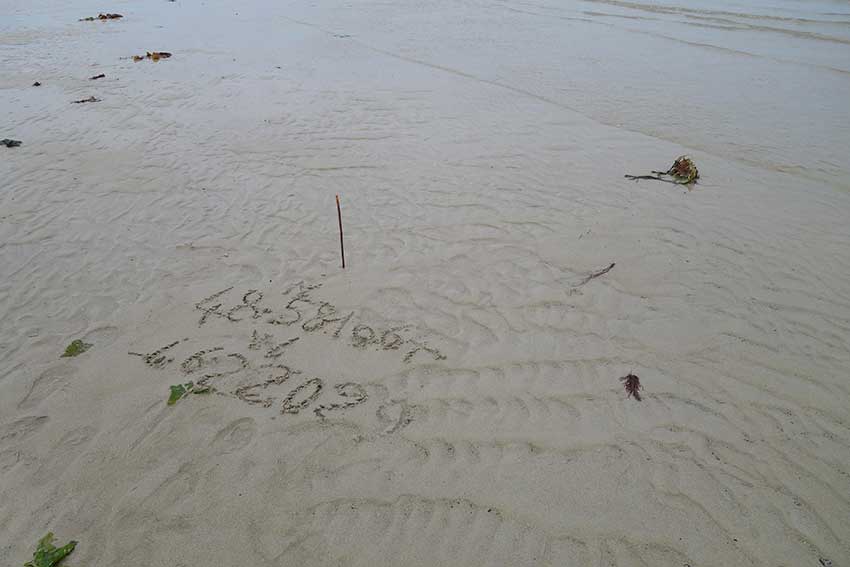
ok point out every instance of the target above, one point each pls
(453, 396)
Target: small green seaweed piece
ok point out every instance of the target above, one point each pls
(76, 347)
(47, 554)
(178, 392)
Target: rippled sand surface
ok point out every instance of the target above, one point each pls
(452, 397)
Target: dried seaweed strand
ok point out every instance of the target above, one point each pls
(593, 275)
(683, 172)
(655, 177)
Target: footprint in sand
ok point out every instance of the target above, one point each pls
(46, 383)
(64, 453)
(101, 336)
(13, 434)
(18, 430)
(234, 436)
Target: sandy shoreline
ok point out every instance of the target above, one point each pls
(453, 396)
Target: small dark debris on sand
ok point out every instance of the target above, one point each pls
(153, 56)
(10, 143)
(632, 385)
(102, 17)
(101, 76)
(82, 100)
(596, 274)
(36, 84)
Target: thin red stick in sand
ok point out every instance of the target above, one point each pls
(341, 246)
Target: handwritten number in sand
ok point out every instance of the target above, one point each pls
(354, 395)
(209, 307)
(273, 348)
(159, 358)
(248, 393)
(324, 316)
(201, 360)
(363, 335)
(251, 302)
(422, 347)
(313, 386)
(291, 314)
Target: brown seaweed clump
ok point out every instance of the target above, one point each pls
(683, 169)
(102, 17)
(632, 385)
(683, 172)
(153, 56)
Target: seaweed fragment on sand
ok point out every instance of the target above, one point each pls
(101, 76)
(683, 172)
(180, 391)
(84, 100)
(153, 56)
(47, 554)
(632, 385)
(76, 348)
(597, 273)
(9, 143)
(102, 17)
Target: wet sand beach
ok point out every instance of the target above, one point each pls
(452, 397)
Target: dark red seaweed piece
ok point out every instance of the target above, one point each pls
(632, 385)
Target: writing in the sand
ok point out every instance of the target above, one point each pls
(298, 304)
(261, 375)
(262, 378)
